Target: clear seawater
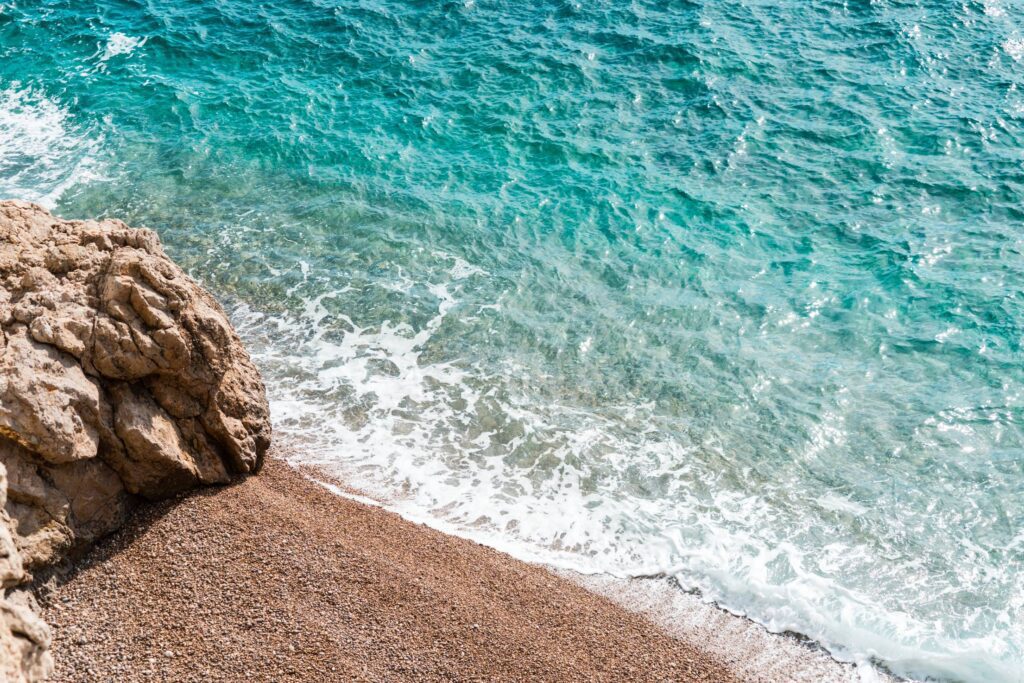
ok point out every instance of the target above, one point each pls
(730, 291)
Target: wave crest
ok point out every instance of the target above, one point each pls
(43, 151)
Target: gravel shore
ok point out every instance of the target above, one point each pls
(275, 578)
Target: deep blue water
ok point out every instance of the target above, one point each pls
(732, 291)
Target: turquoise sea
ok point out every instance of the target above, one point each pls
(727, 291)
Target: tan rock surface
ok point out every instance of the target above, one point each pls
(120, 378)
(24, 637)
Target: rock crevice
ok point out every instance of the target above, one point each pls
(120, 379)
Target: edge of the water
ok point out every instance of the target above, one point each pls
(763, 654)
(748, 648)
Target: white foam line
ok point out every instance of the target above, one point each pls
(750, 650)
(42, 151)
(338, 491)
(744, 646)
(411, 462)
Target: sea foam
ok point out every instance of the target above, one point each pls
(439, 443)
(42, 150)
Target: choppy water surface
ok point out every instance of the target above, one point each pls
(728, 290)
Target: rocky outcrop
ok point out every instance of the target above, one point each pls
(120, 379)
(24, 638)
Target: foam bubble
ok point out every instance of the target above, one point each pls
(462, 269)
(120, 44)
(1014, 47)
(43, 152)
(993, 8)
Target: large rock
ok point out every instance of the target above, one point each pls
(24, 638)
(120, 378)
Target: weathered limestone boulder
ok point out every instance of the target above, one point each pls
(120, 379)
(24, 638)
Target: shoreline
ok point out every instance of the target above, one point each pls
(277, 577)
(748, 648)
(764, 655)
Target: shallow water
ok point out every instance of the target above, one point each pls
(730, 291)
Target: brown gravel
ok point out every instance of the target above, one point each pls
(277, 579)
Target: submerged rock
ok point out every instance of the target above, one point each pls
(120, 378)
